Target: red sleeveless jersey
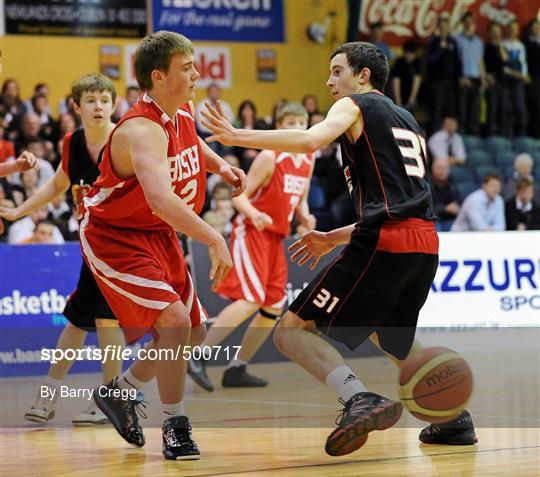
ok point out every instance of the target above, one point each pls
(284, 192)
(121, 202)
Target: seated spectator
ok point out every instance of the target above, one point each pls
(123, 104)
(483, 209)
(7, 148)
(523, 166)
(448, 143)
(522, 213)
(406, 77)
(60, 214)
(310, 102)
(16, 108)
(46, 170)
(445, 195)
(220, 216)
(23, 229)
(41, 89)
(28, 185)
(43, 234)
(40, 106)
(29, 131)
(247, 119)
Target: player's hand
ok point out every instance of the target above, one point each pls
(1, 227)
(220, 261)
(26, 161)
(261, 220)
(9, 213)
(312, 246)
(217, 122)
(235, 177)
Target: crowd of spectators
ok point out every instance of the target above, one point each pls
(485, 169)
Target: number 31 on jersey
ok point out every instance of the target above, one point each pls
(416, 151)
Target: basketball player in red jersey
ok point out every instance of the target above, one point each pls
(87, 310)
(151, 183)
(380, 282)
(277, 188)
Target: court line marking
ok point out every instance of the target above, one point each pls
(366, 461)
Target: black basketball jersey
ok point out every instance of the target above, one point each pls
(386, 169)
(78, 165)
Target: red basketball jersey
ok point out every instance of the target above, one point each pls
(121, 202)
(284, 191)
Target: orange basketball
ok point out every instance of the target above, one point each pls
(435, 384)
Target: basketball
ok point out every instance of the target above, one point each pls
(435, 384)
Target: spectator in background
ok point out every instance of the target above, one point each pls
(23, 229)
(16, 109)
(522, 213)
(213, 93)
(214, 179)
(39, 89)
(443, 71)
(532, 48)
(43, 234)
(40, 106)
(447, 143)
(445, 195)
(497, 96)
(247, 119)
(310, 102)
(406, 77)
(7, 148)
(29, 184)
(123, 104)
(39, 150)
(376, 34)
(517, 77)
(523, 166)
(29, 131)
(482, 210)
(471, 55)
(221, 209)
(60, 214)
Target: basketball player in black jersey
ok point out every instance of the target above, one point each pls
(94, 97)
(378, 285)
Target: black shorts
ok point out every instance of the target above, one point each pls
(87, 302)
(378, 284)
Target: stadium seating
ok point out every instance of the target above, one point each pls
(497, 143)
(461, 174)
(526, 144)
(465, 188)
(473, 143)
(479, 158)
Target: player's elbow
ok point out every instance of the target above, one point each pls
(156, 201)
(311, 144)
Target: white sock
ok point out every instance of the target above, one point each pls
(53, 383)
(234, 363)
(128, 381)
(344, 382)
(171, 410)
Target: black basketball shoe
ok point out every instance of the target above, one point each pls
(238, 377)
(178, 443)
(197, 371)
(121, 412)
(457, 432)
(363, 413)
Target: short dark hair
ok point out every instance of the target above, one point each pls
(361, 54)
(524, 184)
(491, 176)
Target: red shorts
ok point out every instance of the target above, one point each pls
(260, 267)
(140, 274)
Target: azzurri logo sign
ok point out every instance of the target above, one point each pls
(221, 20)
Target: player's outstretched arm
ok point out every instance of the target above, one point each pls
(56, 185)
(147, 145)
(233, 176)
(259, 174)
(24, 162)
(342, 115)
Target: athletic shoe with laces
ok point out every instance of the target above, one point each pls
(91, 416)
(121, 412)
(43, 409)
(178, 443)
(361, 414)
(457, 432)
(238, 377)
(197, 371)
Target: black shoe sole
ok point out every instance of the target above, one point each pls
(102, 405)
(348, 439)
(467, 438)
(170, 456)
(243, 385)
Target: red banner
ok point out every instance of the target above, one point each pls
(417, 19)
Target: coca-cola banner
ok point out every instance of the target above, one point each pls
(417, 19)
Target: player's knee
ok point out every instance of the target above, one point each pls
(283, 329)
(198, 335)
(174, 316)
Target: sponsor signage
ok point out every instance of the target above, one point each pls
(417, 19)
(105, 18)
(221, 20)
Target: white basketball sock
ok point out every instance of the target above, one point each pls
(172, 410)
(128, 381)
(344, 382)
(234, 363)
(53, 383)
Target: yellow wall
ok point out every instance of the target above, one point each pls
(302, 65)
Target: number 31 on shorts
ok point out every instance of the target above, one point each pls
(322, 299)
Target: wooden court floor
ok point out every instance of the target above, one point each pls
(281, 430)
